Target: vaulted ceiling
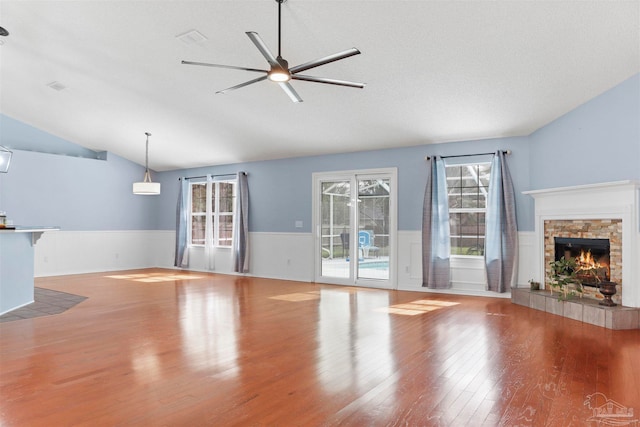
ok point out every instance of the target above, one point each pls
(436, 71)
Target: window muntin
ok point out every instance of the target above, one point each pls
(221, 210)
(467, 187)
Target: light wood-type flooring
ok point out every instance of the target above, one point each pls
(161, 347)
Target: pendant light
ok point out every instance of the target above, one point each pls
(146, 187)
(5, 158)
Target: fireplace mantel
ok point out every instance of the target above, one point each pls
(611, 200)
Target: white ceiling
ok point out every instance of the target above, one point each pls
(436, 71)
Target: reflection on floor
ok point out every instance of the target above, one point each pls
(154, 277)
(313, 295)
(420, 306)
(412, 308)
(222, 351)
(46, 302)
(298, 296)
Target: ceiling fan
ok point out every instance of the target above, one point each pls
(280, 71)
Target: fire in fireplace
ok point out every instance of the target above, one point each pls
(591, 255)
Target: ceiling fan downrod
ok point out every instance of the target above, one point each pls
(280, 72)
(280, 26)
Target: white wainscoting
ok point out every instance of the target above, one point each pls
(286, 256)
(76, 252)
(528, 264)
(220, 262)
(467, 273)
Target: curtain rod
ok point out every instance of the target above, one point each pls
(213, 176)
(469, 155)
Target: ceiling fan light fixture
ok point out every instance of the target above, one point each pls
(279, 75)
(146, 187)
(280, 72)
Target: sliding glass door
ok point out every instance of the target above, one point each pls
(373, 227)
(335, 227)
(355, 223)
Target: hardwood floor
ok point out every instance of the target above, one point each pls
(158, 347)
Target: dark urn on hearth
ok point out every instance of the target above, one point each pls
(607, 289)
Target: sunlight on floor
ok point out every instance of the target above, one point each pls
(300, 296)
(313, 295)
(154, 277)
(414, 308)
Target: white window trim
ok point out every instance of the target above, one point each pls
(191, 214)
(216, 215)
(467, 210)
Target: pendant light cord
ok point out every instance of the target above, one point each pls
(146, 157)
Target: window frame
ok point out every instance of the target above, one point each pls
(217, 214)
(461, 210)
(193, 214)
(214, 211)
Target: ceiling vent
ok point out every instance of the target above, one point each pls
(191, 37)
(57, 86)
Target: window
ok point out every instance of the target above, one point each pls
(219, 205)
(467, 191)
(198, 213)
(225, 201)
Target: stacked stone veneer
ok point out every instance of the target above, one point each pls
(587, 229)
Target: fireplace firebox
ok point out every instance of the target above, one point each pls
(592, 258)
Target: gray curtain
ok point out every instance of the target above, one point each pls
(501, 232)
(241, 232)
(436, 243)
(182, 219)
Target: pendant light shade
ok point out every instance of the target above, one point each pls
(5, 159)
(146, 187)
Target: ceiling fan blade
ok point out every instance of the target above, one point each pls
(206, 64)
(326, 60)
(259, 79)
(327, 81)
(289, 90)
(262, 47)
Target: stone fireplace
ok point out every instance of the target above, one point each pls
(594, 213)
(596, 244)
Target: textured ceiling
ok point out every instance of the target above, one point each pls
(436, 71)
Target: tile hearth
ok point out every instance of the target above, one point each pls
(580, 309)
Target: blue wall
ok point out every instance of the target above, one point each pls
(17, 135)
(597, 142)
(75, 193)
(280, 191)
